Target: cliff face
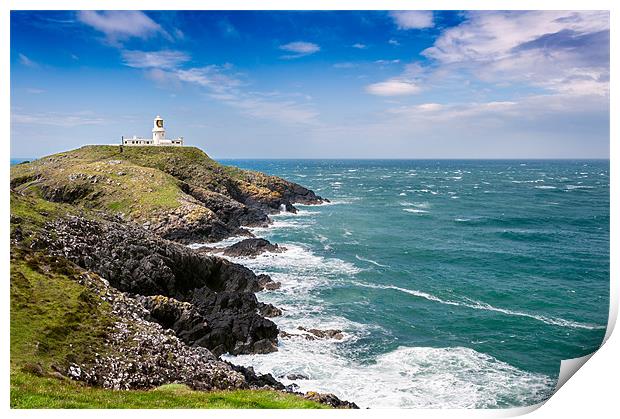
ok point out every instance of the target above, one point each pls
(178, 193)
(111, 223)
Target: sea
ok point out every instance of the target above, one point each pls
(455, 283)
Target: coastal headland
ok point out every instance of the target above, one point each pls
(106, 294)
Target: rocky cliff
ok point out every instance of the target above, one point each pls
(116, 223)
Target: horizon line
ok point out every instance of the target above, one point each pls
(377, 158)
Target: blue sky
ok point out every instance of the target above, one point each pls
(274, 84)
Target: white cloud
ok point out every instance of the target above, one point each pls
(382, 62)
(447, 112)
(394, 42)
(300, 49)
(23, 59)
(165, 59)
(57, 119)
(359, 46)
(121, 25)
(393, 87)
(211, 76)
(559, 51)
(413, 19)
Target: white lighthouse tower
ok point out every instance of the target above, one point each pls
(159, 133)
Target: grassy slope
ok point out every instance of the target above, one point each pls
(54, 319)
(122, 187)
(50, 393)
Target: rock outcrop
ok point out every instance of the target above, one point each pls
(206, 300)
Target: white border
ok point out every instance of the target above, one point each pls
(593, 391)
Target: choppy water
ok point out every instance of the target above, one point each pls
(457, 283)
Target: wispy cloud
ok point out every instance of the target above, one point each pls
(393, 42)
(393, 87)
(221, 83)
(359, 46)
(121, 25)
(166, 59)
(300, 49)
(23, 59)
(413, 19)
(383, 62)
(65, 120)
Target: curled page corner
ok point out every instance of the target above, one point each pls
(568, 367)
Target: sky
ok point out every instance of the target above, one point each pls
(346, 84)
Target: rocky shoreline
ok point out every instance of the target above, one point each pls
(175, 309)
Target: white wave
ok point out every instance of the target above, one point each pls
(222, 243)
(528, 181)
(422, 205)
(370, 261)
(545, 187)
(402, 194)
(298, 262)
(332, 202)
(415, 210)
(299, 213)
(570, 187)
(281, 223)
(408, 377)
(556, 321)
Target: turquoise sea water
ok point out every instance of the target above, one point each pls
(457, 283)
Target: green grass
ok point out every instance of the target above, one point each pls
(54, 320)
(31, 392)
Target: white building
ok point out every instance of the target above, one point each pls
(159, 136)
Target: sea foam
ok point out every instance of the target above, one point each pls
(408, 377)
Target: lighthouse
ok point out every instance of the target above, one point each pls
(159, 137)
(159, 132)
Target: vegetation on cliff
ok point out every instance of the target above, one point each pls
(179, 193)
(104, 299)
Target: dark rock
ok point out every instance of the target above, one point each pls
(266, 283)
(330, 400)
(324, 334)
(291, 388)
(140, 354)
(268, 310)
(223, 312)
(252, 248)
(297, 377)
(255, 380)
